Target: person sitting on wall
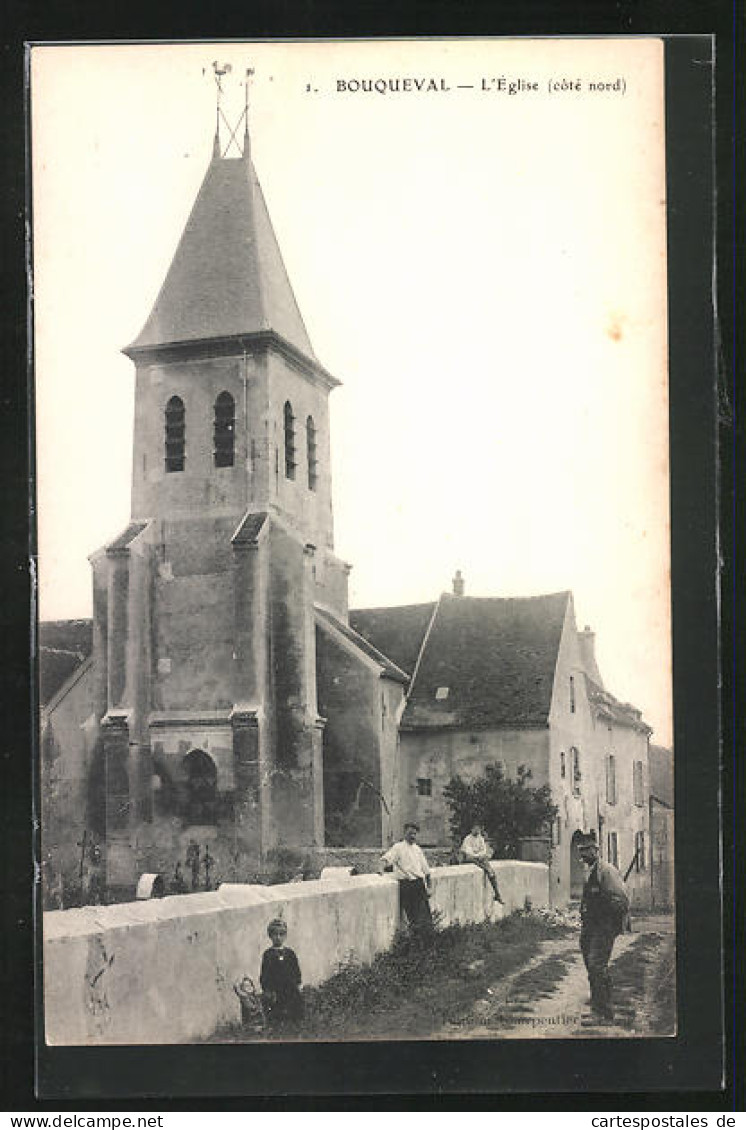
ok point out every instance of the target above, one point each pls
(410, 867)
(603, 910)
(475, 849)
(280, 979)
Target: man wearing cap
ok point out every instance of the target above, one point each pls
(603, 909)
(407, 861)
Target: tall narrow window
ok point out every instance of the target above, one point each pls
(311, 452)
(613, 848)
(572, 695)
(224, 430)
(289, 421)
(611, 779)
(563, 768)
(575, 769)
(637, 784)
(175, 434)
(640, 856)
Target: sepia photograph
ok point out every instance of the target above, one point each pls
(354, 572)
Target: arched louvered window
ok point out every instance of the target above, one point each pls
(175, 434)
(313, 462)
(224, 430)
(289, 421)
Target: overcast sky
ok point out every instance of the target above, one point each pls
(484, 271)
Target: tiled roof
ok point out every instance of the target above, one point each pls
(623, 712)
(485, 661)
(325, 619)
(397, 632)
(63, 646)
(227, 277)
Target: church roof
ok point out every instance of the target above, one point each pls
(63, 646)
(478, 662)
(227, 277)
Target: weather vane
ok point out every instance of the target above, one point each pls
(219, 73)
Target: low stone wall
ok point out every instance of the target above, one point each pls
(162, 971)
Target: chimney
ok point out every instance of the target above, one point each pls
(587, 642)
(458, 584)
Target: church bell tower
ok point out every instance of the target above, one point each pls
(204, 634)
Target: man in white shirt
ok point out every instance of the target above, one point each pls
(407, 861)
(475, 849)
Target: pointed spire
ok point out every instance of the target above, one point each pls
(227, 277)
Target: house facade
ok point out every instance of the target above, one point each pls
(512, 682)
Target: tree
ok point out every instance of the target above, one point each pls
(508, 810)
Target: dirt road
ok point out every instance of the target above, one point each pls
(548, 997)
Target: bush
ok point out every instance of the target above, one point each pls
(507, 810)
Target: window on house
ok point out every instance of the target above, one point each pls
(313, 463)
(611, 779)
(224, 430)
(576, 774)
(572, 695)
(289, 423)
(424, 786)
(640, 856)
(175, 434)
(441, 693)
(612, 853)
(637, 784)
(563, 764)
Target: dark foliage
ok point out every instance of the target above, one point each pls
(508, 810)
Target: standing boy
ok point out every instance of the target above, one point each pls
(280, 979)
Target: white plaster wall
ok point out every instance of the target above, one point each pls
(163, 971)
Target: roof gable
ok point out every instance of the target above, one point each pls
(227, 277)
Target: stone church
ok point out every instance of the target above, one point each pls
(223, 697)
(226, 699)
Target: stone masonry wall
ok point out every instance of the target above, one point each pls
(162, 971)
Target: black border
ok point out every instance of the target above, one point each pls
(578, 1073)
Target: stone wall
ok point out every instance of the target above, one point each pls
(162, 971)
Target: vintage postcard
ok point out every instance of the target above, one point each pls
(353, 519)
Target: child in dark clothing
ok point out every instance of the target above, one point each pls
(280, 979)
